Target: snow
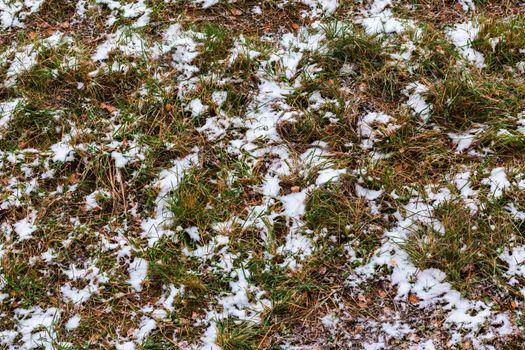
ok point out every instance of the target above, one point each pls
(91, 199)
(62, 150)
(36, 327)
(206, 3)
(25, 227)
(463, 141)
(13, 12)
(367, 193)
(328, 175)
(372, 126)
(125, 346)
(77, 296)
(416, 101)
(7, 109)
(497, 181)
(120, 159)
(330, 321)
(169, 179)
(258, 160)
(196, 107)
(318, 7)
(294, 204)
(138, 271)
(73, 323)
(378, 19)
(462, 36)
(23, 61)
(515, 259)
(147, 325)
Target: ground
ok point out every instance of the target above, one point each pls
(281, 174)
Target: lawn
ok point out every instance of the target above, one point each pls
(280, 174)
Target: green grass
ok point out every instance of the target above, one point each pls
(336, 209)
(147, 106)
(500, 41)
(469, 98)
(468, 251)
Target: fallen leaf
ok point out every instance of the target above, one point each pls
(130, 332)
(296, 189)
(413, 299)
(236, 12)
(362, 301)
(295, 26)
(73, 178)
(108, 107)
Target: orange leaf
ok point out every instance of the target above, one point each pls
(108, 107)
(236, 12)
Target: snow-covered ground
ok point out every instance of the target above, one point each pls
(232, 175)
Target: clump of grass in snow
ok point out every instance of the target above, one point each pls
(239, 336)
(502, 42)
(460, 101)
(33, 127)
(202, 200)
(349, 44)
(337, 209)
(363, 57)
(435, 56)
(504, 141)
(468, 250)
(215, 47)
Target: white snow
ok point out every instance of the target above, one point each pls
(462, 35)
(25, 227)
(73, 323)
(372, 126)
(138, 271)
(7, 109)
(497, 181)
(417, 102)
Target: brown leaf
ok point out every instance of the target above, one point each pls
(64, 25)
(413, 299)
(236, 12)
(295, 189)
(130, 332)
(73, 178)
(168, 107)
(362, 301)
(295, 26)
(108, 107)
